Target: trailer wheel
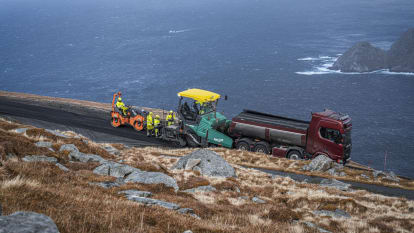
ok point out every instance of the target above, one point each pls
(242, 145)
(295, 155)
(262, 147)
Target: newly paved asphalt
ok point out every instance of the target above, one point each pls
(92, 124)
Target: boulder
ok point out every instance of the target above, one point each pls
(258, 200)
(333, 183)
(338, 213)
(188, 231)
(150, 201)
(363, 176)
(321, 163)
(211, 164)
(188, 211)
(206, 188)
(112, 150)
(152, 178)
(362, 57)
(81, 157)
(115, 169)
(61, 167)
(400, 57)
(45, 144)
(39, 158)
(69, 147)
(27, 222)
(135, 193)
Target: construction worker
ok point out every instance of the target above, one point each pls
(157, 125)
(150, 124)
(170, 118)
(120, 105)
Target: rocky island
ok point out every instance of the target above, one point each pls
(363, 57)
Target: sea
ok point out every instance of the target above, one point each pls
(265, 55)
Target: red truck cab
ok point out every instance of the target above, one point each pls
(329, 133)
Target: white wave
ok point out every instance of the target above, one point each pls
(326, 62)
(178, 31)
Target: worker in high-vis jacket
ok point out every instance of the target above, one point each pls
(170, 118)
(157, 125)
(150, 124)
(120, 105)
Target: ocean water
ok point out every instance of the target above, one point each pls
(266, 55)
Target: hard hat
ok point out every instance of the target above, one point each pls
(150, 113)
(119, 99)
(171, 111)
(157, 116)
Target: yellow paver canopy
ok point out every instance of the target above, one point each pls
(199, 95)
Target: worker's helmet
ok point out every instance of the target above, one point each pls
(157, 116)
(119, 99)
(171, 111)
(150, 113)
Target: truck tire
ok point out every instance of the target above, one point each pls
(295, 155)
(262, 147)
(115, 122)
(243, 145)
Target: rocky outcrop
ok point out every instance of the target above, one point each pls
(29, 222)
(152, 178)
(321, 163)
(115, 169)
(400, 58)
(338, 213)
(362, 57)
(208, 162)
(75, 155)
(206, 188)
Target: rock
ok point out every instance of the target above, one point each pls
(56, 133)
(188, 211)
(61, 167)
(152, 178)
(362, 57)
(312, 225)
(10, 156)
(333, 183)
(192, 163)
(188, 231)
(211, 164)
(30, 222)
(320, 163)
(135, 193)
(378, 173)
(39, 158)
(150, 201)
(105, 184)
(400, 58)
(244, 198)
(112, 150)
(21, 130)
(207, 188)
(338, 213)
(391, 177)
(44, 144)
(364, 176)
(258, 200)
(115, 169)
(81, 157)
(69, 147)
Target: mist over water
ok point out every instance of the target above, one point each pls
(268, 55)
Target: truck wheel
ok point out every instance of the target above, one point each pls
(295, 155)
(242, 145)
(262, 147)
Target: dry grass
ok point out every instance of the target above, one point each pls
(76, 206)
